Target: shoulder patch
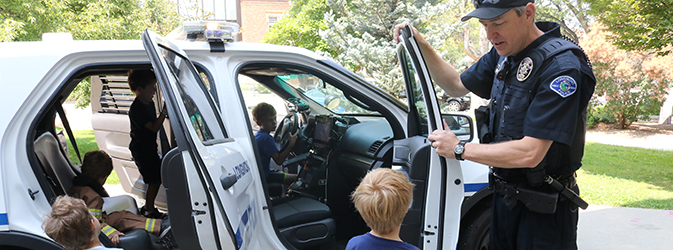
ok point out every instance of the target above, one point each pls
(563, 85)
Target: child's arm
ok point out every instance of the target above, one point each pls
(279, 157)
(112, 233)
(156, 125)
(95, 204)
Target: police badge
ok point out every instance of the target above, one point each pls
(525, 68)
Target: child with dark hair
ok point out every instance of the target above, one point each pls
(144, 127)
(265, 116)
(96, 167)
(72, 226)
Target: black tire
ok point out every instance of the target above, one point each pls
(475, 230)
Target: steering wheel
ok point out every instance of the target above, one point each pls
(287, 126)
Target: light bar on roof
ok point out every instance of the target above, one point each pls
(212, 31)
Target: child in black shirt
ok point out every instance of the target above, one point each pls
(144, 127)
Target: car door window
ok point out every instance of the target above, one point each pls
(197, 101)
(415, 92)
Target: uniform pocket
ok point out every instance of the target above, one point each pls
(517, 101)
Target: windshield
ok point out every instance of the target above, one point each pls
(325, 94)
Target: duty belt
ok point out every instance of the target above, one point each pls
(541, 199)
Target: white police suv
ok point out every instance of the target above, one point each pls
(214, 188)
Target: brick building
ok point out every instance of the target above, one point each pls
(258, 15)
(254, 16)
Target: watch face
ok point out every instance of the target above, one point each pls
(458, 149)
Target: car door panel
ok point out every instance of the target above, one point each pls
(441, 215)
(225, 218)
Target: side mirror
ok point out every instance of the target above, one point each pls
(461, 125)
(332, 101)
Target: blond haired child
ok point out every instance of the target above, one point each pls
(382, 199)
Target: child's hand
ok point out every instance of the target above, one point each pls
(114, 237)
(164, 111)
(293, 139)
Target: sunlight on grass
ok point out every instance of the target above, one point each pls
(86, 141)
(618, 192)
(626, 176)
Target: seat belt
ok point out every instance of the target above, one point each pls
(66, 126)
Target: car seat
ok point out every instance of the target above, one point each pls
(57, 168)
(304, 222)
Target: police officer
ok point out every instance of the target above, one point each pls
(532, 132)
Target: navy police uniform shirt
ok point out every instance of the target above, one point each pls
(545, 99)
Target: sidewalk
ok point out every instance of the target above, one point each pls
(607, 228)
(603, 228)
(640, 134)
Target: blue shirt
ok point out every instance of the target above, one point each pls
(370, 242)
(267, 147)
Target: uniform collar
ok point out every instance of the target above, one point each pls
(550, 29)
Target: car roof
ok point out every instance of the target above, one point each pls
(23, 65)
(61, 48)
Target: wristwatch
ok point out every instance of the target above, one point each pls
(458, 150)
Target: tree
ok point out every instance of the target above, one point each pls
(637, 25)
(572, 15)
(632, 83)
(26, 20)
(358, 33)
(361, 34)
(299, 26)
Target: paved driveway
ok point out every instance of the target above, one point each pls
(603, 228)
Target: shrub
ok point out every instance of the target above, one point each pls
(598, 114)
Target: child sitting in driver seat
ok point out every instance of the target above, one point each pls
(265, 116)
(96, 167)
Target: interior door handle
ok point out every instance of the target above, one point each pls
(228, 181)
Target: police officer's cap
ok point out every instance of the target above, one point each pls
(489, 9)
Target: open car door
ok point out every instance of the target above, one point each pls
(433, 220)
(208, 183)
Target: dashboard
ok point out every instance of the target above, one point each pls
(343, 145)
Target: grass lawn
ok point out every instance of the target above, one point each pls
(86, 142)
(626, 177)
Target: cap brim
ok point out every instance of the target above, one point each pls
(485, 13)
